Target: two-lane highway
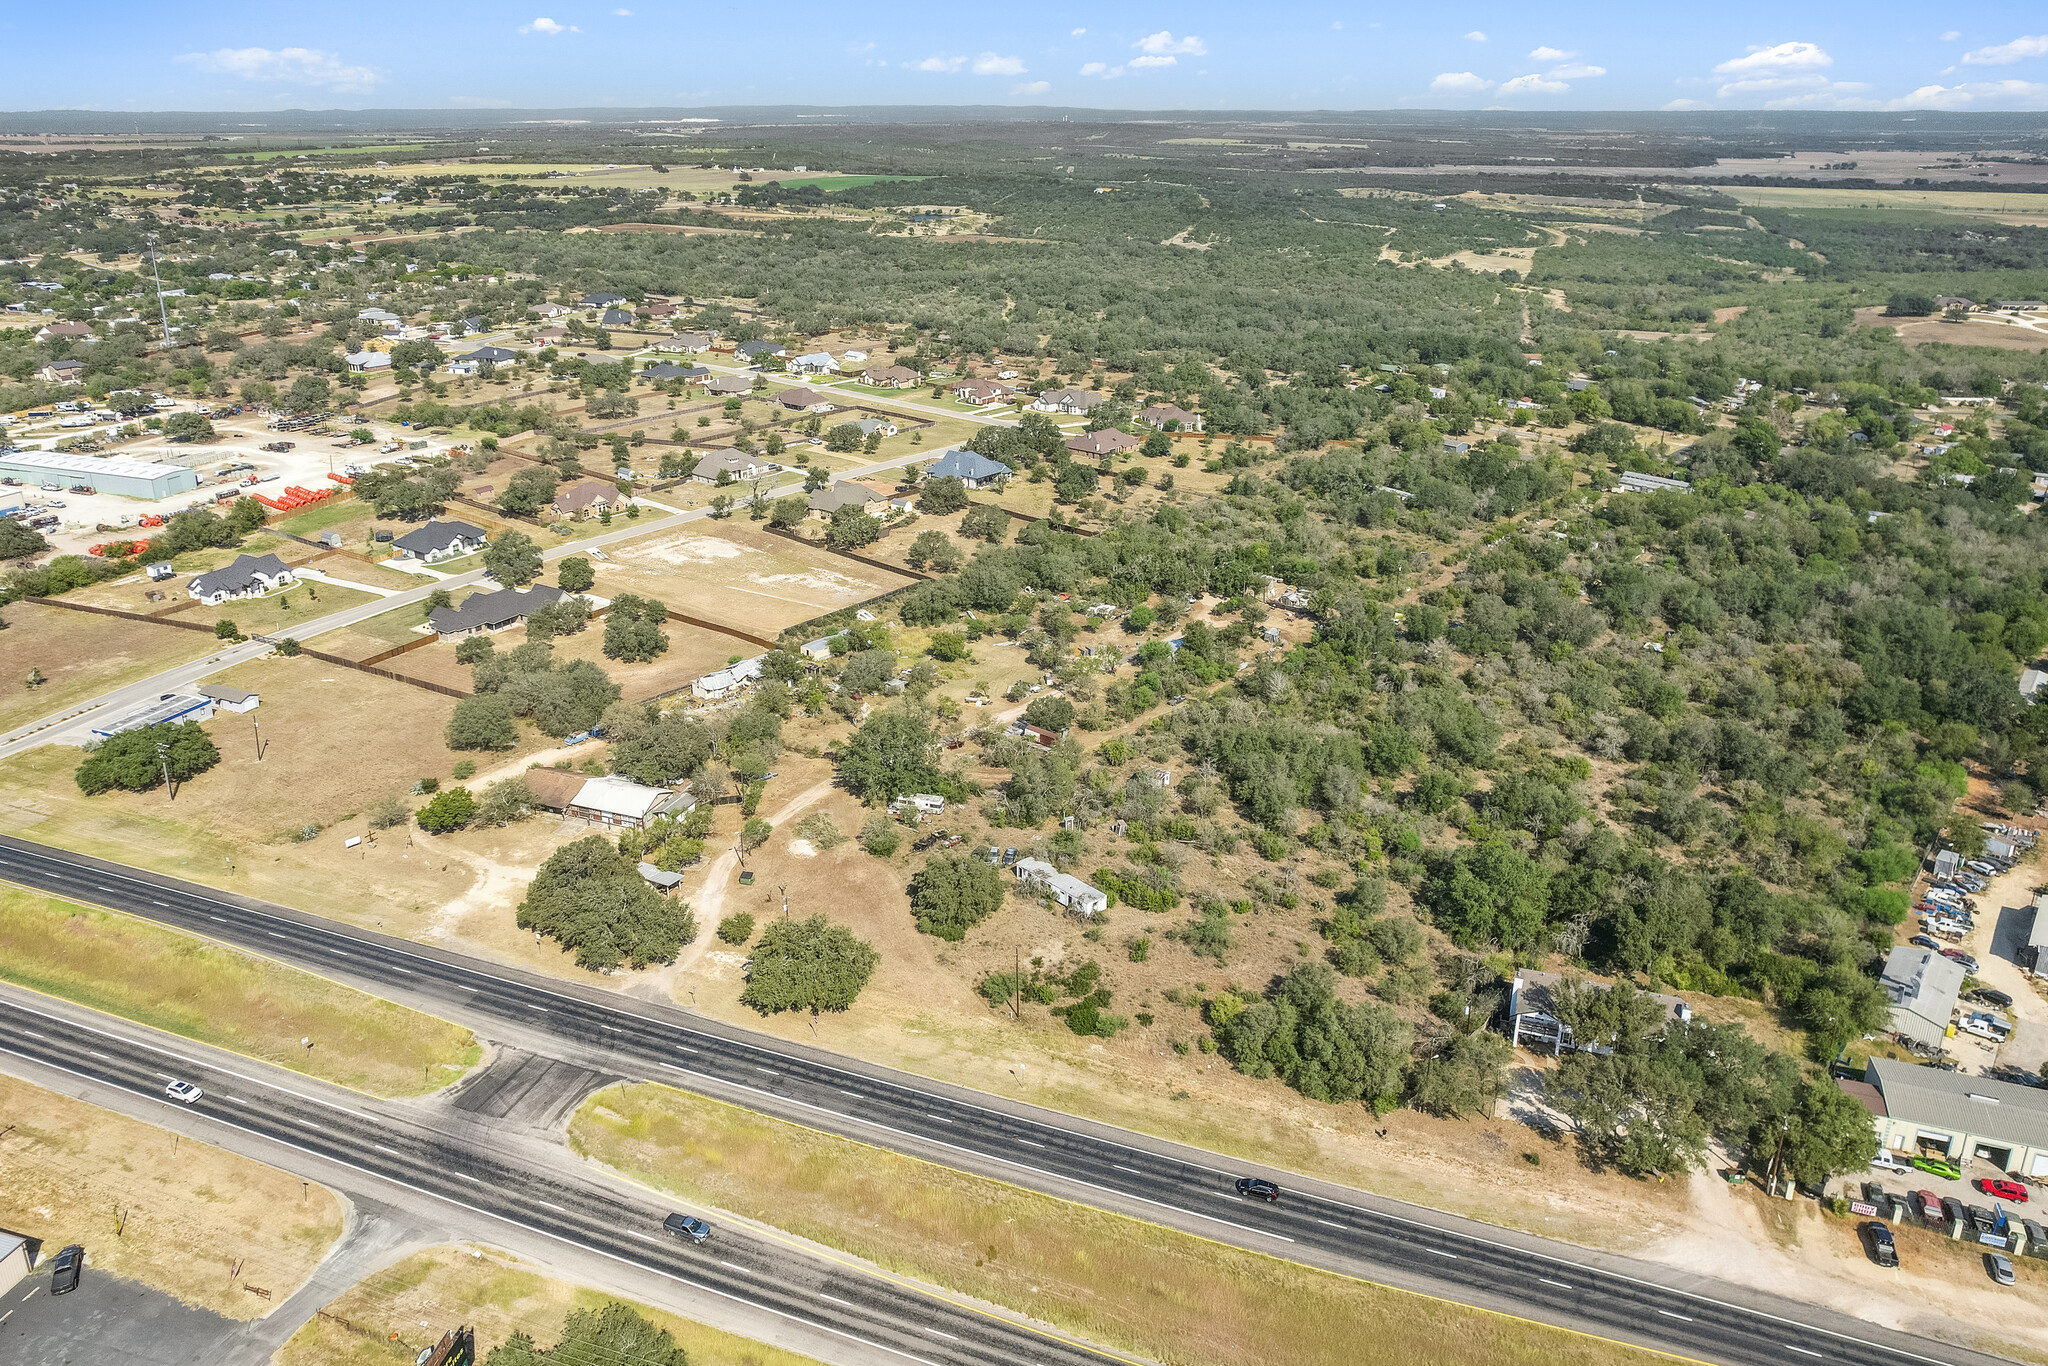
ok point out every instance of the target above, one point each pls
(492, 1184)
(1383, 1240)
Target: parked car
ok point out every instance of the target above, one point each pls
(1258, 1188)
(183, 1092)
(1958, 1213)
(1883, 1250)
(1985, 1025)
(1958, 956)
(1999, 1266)
(1991, 996)
(1921, 941)
(688, 1226)
(70, 1265)
(1935, 1166)
(2004, 1190)
(1930, 1206)
(1886, 1162)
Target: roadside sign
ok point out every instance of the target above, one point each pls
(1866, 1210)
(352, 841)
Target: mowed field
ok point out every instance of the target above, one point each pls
(194, 1212)
(82, 655)
(379, 1321)
(2016, 208)
(739, 575)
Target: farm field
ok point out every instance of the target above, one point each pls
(195, 1212)
(82, 655)
(1953, 202)
(223, 996)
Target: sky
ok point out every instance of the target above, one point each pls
(1297, 54)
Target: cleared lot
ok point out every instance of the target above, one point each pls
(81, 655)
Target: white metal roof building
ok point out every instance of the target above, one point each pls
(1923, 987)
(171, 707)
(728, 680)
(1068, 890)
(1960, 1117)
(621, 801)
(127, 478)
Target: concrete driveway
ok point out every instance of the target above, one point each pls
(2005, 914)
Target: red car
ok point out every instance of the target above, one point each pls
(2005, 1190)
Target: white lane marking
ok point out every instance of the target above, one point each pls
(407, 971)
(236, 1099)
(308, 1123)
(730, 1267)
(467, 1177)
(1559, 1284)
(855, 1094)
(221, 918)
(1682, 1318)
(1030, 1143)
(275, 935)
(31, 1033)
(166, 1076)
(165, 904)
(937, 1334)
(609, 1029)
(940, 1118)
(836, 1300)
(552, 1205)
(684, 1048)
(1801, 1350)
(110, 891)
(1441, 1253)
(542, 1009)
(647, 1236)
(1122, 1168)
(382, 1149)
(341, 953)
(769, 1070)
(1327, 1224)
(101, 1056)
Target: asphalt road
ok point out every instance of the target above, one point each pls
(463, 1166)
(1314, 1224)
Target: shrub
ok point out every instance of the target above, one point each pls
(288, 647)
(590, 899)
(736, 928)
(881, 836)
(449, 811)
(954, 893)
(390, 811)
(821, 830)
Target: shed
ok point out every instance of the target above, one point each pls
(821, 648)
(1064, 888)
(18, 1254)
(170, 709)
(729, 680)
(659, 880)
(225, 698)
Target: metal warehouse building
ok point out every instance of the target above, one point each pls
(1923, 1112)
(129, 478)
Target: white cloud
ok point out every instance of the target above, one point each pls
(1031, 88)
(2005, 54)
(1460, 81)
(1779, 57)
(1475, 36)
(1533, 85)
(1164, 44)
(1572, 71)
(548, 27)
(623, 13)
(1550, 54)
(988, 64)
(941, 64)
(1976, 95)
(290, 65)
(1076, 32)
(1150, 60)
(1336, 23)
(1687, 104)
(1951, 36)
(1102, 69)
(1815, 89)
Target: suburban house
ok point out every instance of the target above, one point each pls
(870, 425)
(1108, 441)
(551, 311)
(982, 391)
(659, 308)
(1064, 888)
(1532, 1013)
(361, 361)
(615, 317)
(1923, 987)
(728, 385)
(1923, 1112)
(754, 350)
(737, 466)
(889, 376)
(684, 343)
(729, 680)
(1068, 401)
(225, 698)
(971, 468)
(1169, 418)
(600, 300)
(553, 789)
(62, 372)
(816, 363)
(250, 576)
(804, 401)
(847, 493)
(497, 355)
(667, 371)
(439, 540)
(621, 801)
(587, 499)
(491, 611)
(377, 315)
(64, 331)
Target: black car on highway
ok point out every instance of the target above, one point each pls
(688, 1226)
(65, 1271)
(1258, 1188)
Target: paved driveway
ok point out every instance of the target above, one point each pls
(107, 1321)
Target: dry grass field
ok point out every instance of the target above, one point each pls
(1977, 331)
(2004, 207)
(193, 1212)
(496, 1294)
(741, 575)
(222, 996)
(81, 655)
(1165, 1295)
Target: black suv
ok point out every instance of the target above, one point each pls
(1882, 1250)
(66, 1270)
(1258, 1188)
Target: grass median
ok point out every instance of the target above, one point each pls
(217, 995)
(1120, 1282)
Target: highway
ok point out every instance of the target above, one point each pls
(1318, 1225)
(493, 1184)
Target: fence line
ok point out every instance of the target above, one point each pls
(361, 667)
(163, 620)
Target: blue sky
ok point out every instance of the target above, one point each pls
(229, 55)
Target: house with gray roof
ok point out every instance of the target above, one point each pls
(1068, 401)
(1108, 441)
(492, 611)
(754, 350)
(439, 540)
(1923, 987)
(668, 370)
(736, 466)
(729, 386)
(846, 493)
(615, 317)
(684, 343)
(249, 576)
(497, 355)
(1169, 417)
(971, 468)
(601, 299)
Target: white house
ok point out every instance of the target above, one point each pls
(1068, 401)
(821, 648)
(731, 679)
(816, 363)
(621, 801)
(439, 540)
(361, 361)
(1064, 888)
(250, 576)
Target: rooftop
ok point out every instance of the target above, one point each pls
(1957, 1101)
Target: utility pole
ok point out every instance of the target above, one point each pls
(163, 314)
(163, 756)
(258, 729)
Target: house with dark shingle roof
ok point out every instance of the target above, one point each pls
(1108, 441)
(600, 300)
(497, 355)
(754, 350)
(971, 468)
(486, 611)
(804, 401)
(615, 317)
(439, 540)
(1170, 417)
(250, 576)
(666, 371)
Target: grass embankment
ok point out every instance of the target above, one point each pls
(496, 1294)
(216, 995)
(188, 1213)
(1116, 1281)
